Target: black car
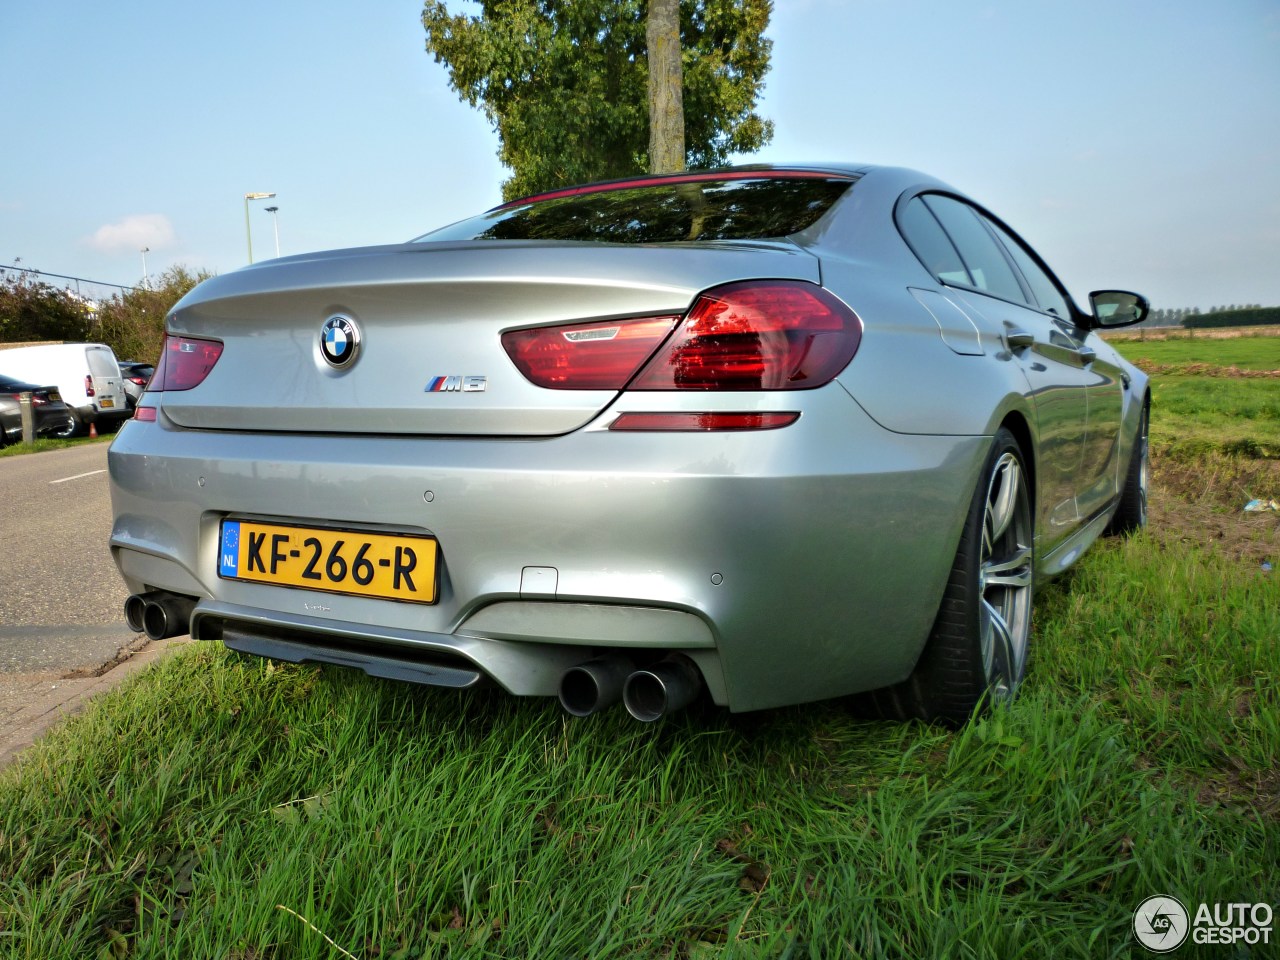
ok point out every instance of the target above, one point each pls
(136, 377)
(51, 414)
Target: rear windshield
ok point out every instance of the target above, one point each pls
(764, 208)
(102, 363)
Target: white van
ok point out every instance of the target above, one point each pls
(86, 374)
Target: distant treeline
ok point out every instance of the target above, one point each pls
(1234, 317)
(1178, 316)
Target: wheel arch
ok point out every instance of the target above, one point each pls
(1017, 424)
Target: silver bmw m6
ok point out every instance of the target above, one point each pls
(767, 434)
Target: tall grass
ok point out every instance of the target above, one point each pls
(223, 807)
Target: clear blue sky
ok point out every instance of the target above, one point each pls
(1136, 143)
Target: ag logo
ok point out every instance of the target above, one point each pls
(1160, 924)
(339, 341)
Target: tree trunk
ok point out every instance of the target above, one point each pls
(666, 88)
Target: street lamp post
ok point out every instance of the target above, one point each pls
(144, 251)
(275, 224)
(248, 234)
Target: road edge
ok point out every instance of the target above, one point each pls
(69, 697)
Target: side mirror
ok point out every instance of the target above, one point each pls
(1118, 308)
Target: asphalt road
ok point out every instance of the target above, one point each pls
(60, 595)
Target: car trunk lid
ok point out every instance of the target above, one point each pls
(429, 318)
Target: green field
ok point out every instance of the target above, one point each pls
(1202, 401)
(223, 807)
(1246, 353)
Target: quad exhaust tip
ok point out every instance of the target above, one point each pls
(159, 614)
(669, 685)
(648, 694)
(595, 685)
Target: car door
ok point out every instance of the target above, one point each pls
(986, 281)
(1105, 382)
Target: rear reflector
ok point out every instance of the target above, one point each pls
(586, 356)
(757, 335)
(699, 422)
(184, 362)
(145, 414)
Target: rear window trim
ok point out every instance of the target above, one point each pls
(701, 176)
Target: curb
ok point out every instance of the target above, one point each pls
(68, 697)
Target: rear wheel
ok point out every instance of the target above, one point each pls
(1131, 514)
(978, 646)
(70, 429)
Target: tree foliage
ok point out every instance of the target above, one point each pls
(565, 82)
(31, 309)
(133, 324)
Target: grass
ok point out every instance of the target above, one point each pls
(1211, 396)
(49, 443)
(1245, 353)
(1244, 414)
(216, 806)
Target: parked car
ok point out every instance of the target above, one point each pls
(87, 375)
(776, 433)
(136, 377)
(49, 413)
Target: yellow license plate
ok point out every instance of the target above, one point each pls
(107, 402)
(390, 566)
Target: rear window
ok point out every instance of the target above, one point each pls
(764, 208)
(102, 363)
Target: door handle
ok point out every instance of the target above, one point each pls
(1016, 338)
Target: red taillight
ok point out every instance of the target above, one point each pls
(184, 362)
(138, 381)
(88, 386)
(750, 335)
(586, 356)
(757, 335)
(699, 422)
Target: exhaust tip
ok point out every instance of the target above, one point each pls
(166, 615)
(135, 606)
(155, 621)
(669, 685)
(592, 686)
(579, 693)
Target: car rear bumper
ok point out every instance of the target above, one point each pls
(791, 565)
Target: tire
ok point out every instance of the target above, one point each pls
(72, 429)
(1131, 514)
(977, 650)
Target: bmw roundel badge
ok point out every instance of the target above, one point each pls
(339, 341)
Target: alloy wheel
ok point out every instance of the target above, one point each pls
(1004, 577)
